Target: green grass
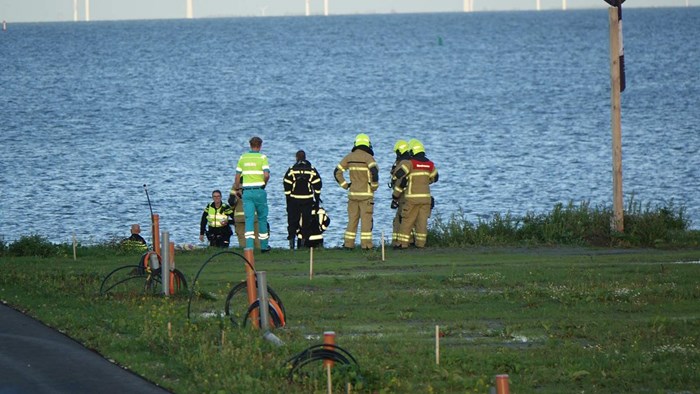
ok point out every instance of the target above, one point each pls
(555, 319)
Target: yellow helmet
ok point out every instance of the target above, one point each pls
(416, 146)
(401, 147)
(362, 140)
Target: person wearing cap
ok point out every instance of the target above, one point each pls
(252, 175)
(363, 182)
(302, 189)
(402, 153)
(216, 218)
(413, 179)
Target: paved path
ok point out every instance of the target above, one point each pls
(35, 358)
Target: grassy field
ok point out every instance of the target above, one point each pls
(556, 320)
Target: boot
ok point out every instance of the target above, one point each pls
(291, 244)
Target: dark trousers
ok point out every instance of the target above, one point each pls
(219, 236)
(299, 220)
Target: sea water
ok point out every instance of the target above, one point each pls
(513, 108)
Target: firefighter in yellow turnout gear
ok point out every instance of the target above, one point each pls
(413, 180)
(364, 181)
(402, 153)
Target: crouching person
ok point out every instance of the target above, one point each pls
(319, 224)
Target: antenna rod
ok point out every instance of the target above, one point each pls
(149, 201)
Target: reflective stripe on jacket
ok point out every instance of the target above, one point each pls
(302, 181)
(217, 217)
(252, 167)
(363, 173)
(414, 178)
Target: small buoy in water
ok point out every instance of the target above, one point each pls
(439, 40)
(4, 26)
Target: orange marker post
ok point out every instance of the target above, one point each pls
(171, 258)
(502, 386)
(252, 287)
(155, 227)
(328, 339)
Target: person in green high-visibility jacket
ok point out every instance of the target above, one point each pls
(252, 175)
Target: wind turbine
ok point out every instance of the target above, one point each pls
(308, 7)
(538, 5)
(87, 10)
(468, 5)
(325, 7)
(189, 14)
(563, 5)
(75, 10)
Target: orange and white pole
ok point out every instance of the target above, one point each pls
(252, 288)
(155, 231)
(328, 339)
(502, 386)
(172, 267)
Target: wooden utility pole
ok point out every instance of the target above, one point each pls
(616, 76)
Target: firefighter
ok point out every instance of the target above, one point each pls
(363, 182)
(413, 179)
(216, 217)
(402, 153)
(302, 188)
(252, 175)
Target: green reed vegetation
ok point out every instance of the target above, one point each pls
(571, 224)
(564, 318)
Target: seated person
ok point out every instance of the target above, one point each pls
(135, 241)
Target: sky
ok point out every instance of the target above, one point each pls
(62, 10)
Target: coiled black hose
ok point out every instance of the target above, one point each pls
(320, 352)
(194, 282)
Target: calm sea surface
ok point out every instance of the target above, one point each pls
(514, 109)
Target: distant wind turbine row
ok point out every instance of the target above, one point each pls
(468, 6)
